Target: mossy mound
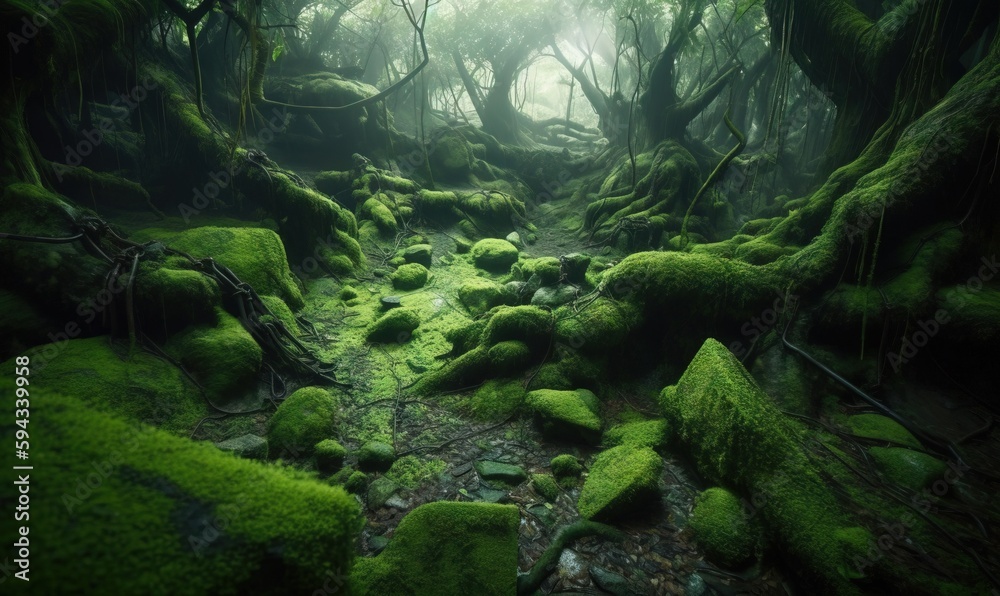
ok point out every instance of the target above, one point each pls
(397, 325)
(494, 255)
(722, 527)
(410, 471)
(305, 418)
(183, 517)
(255, 255)
(567, 415)
(566, 466)
(497, 398)
(446, 548)
(376, 211)
(546, 486)
(599, 327)
(450, 157)
(621, 480)
(172, 299)
(411, 276)
(907, 468)
(645, 433)
(375, 456)
(245, 446)
(109, 377)
(329, 455)
(529, 324)
(419, 253)
(224, 358)
(480, 295)
(548, 270)
(874, 426)
(509, 356)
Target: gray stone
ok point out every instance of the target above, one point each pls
(554, 296)
(610, 581)
(515, 239)
(501, 472)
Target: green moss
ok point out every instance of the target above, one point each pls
(348, 293)
(493, 254)
(224, 358)
(911, 469)
(134, 385)
(621, 480)
(183, 516)
(466, 336)
(437, 205)
(497, 399)
(172, 299)
(873, 426)
(647, 433)
(305, 418)
(973, 314)
(509, 356)
(356, 482)
(597, 328)
(410, 472)
(566, 467)
(480, 295)
(546, 486)
(547, 269)
(255, 255)
(333, 182)
(373, 209)
(465, 371)
(566, 414)
(723, 529)
(397, 325)
(451, 158)
(446, 548)
(411, 276)
(529, 324)
(281, 313)
(329, 455)
(376, 456)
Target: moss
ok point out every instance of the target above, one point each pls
(373, 209)
(224, 358)
(907, 468)
(566, 467)
(451, 158)
(356, 482)
(411, 276)
(305, 418)
(136, 386)
(466, 336)
(245, 446)
(446, 548)
(255, 255)
(621, 480)
(172, 299)
(333, 182)
(469, 369)
(647, 433)
(529, 324)
(547, 269)
(348, 293)
(493, 254)
(437, 205)
(566, 414)
(722, 528)
(529, 583)
(183, 516)
(873, 426)
(281, 312)
(546, 486)
(329, 455)
(480, 295)
(509, 356)
(974, 315)
(375, 456)
(761, 252)
(410, 472)
(497, 399)
(597, 328)
(397, 325)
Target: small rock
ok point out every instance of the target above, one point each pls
(494, 255)
(419, 253)
(379, 492)
(695, 585)
(571, 565)
(515, 239)
(500, 472)
(375, 456)
(246, 446)
(554, 296)
(490, 495)
(389, 302)
(462, 469)
(397, 501)
(610, 581)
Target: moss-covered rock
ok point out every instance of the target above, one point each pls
(419, 253)
(621, 480)
(329, 455)
(397, 325)
(245, 446)
(911, 469)
(356, 482)
(182, 515)
(722, 527)
(566, 467)
(375, 210)
(509, 356)
(497, 398)
(597, 328)
(529, 324)
(644, 433)
(566, 414)
(305, 418)
(547, 269)
(446, 548)
(494, 254)
(507, 474)
(411, 276)
(172, 299)
(375, 456)
(874, 426)
(546, 486)
(224, 358)
(480, 295)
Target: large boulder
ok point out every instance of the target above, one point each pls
(622, 480)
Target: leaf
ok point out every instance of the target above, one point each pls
(279, 48)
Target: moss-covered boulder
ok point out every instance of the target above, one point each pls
(450, 157)
(245, 446)
(480, 295)
(419, 253)
(529, 324)
(644, 433)
(376, 211)
(548, 270)
(874, 426)
(566, 469)
(375, 456)
(509, 356)
(494, 255)
(446, 548)
(722, 527)
(183, 517)
(397, 325)
(546, 486)
(567, 415)
(411, 276)
(305, 418)
(911, 469)
(224, 358)
(622, 479)
(497, 398)
(329, 455)
(597, 328)
(172, 299)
